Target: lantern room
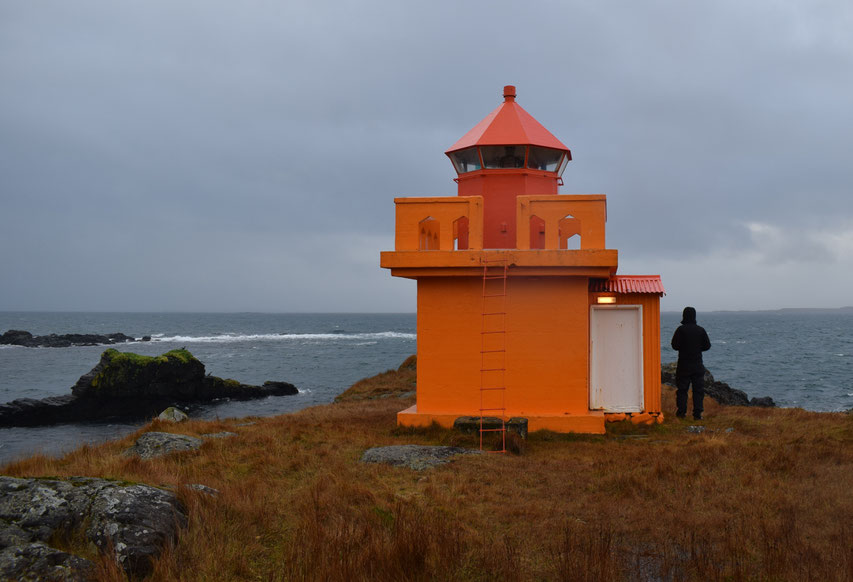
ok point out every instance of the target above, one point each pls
(508, 154)
(521, 312)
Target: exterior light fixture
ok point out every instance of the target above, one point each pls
(606, 300)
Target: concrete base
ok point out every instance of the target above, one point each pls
(590, 423)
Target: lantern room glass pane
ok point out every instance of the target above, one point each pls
(563, 163)
(503, 156)
(465, 160)
(544, 159)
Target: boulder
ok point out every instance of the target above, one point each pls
(719, 391)
(157, 444)
(128, 386)
(134, 521)
(764, 401)
(280, 387)
(416, 457)
(173, 414)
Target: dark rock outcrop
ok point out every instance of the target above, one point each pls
(129, 386)
(17, 337)
(719, 391)
(133, 521)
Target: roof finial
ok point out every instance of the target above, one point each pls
(509, 93)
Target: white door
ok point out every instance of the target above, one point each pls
(616, 358)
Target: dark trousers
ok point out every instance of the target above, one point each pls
(682, 383)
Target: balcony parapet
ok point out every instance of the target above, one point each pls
(436, 223)
(562, 217)
(546, 222)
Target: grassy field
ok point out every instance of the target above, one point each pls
(762, 494)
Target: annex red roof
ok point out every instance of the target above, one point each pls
(628, 284)
(509, 124)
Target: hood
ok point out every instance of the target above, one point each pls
(688, 315)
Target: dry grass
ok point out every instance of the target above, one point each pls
(768, 500)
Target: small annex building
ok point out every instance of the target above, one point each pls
(520, 312)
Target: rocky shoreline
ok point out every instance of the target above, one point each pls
(17, 337)
(128, 386)
(719, 391)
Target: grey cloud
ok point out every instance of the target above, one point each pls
(133, 131)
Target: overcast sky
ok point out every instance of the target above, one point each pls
(244, 156)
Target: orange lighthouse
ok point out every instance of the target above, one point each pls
(520, 310)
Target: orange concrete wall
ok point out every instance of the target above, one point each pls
(651, 343)
(547, 345)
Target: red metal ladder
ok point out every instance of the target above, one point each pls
(493, 348)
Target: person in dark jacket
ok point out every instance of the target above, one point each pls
(690, 340)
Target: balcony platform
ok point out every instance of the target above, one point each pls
(599, 263)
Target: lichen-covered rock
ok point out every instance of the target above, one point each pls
(134, 521)
(157, 444)
(39, 562)
(416, 457)
(173, 414)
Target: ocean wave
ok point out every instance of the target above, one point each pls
(268, 337)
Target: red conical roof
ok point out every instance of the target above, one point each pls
(509, 124)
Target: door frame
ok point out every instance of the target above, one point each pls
(641, 362)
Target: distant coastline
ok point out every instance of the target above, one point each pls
(784, 310)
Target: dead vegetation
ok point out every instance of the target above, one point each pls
(767, 500)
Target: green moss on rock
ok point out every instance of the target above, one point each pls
(126, 373)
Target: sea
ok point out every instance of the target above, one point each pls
(800, 359)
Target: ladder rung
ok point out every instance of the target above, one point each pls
(492, 351)
(495, 313)
(493, 277)
(493, 452)
(495, 295)
(491, 332)
(492, 430)
(493, 388)
(493, 369)
(490, 409)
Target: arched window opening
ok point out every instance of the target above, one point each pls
(429, 230)
(570, 233)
